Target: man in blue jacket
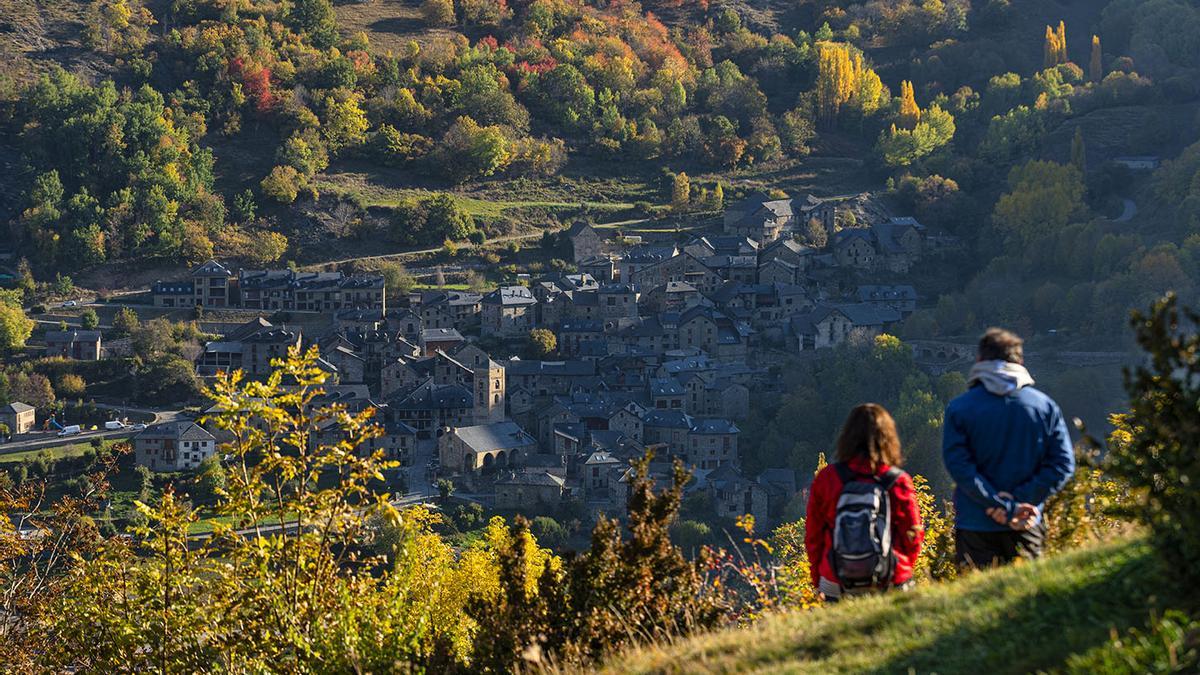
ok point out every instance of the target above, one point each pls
(1008, 449)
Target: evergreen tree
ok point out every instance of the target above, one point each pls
(1079, 151)
(1095, 66)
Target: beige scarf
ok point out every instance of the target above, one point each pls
(1000, 377)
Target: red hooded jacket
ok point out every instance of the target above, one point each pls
(907, 532)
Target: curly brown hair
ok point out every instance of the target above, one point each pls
(869, 432)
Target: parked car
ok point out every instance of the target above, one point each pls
(70, 430)
(114, 425)
(138, 427)
(70, 303)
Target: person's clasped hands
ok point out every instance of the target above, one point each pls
(1018, 516)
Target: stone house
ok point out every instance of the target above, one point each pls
(586, 242)
(617, 301)
(173, 446)
(900, 297)
(483, 447)
(712, 443)
(81, 345)
(734, 495)
(532, 490)
(18, 417)
(855, 247)
(509, 312)
(683, 267)
(830, 325)
(759, 217)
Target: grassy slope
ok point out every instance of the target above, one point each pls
(1017, 620)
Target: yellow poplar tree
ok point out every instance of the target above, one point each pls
(1062, 42)
(910, 112)
(1050, 48)
(1095, 66)
(836, 78)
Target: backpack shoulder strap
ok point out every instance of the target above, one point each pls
(845, 473)
(889, 477)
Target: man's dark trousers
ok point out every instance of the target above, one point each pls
(991, 549)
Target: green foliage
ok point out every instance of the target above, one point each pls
(621, 590)
(1042, 196)
(438, 12)
(1012, 135)
(1169, 645)
(154, 170)
(1153, 447)
(316, 19)
(542, 343)
(15, 327)
(821, 391)
(901, 147)
(125, 322)
(88, 319)
(429, 220)
(469, 150)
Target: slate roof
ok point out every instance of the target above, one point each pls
(533, 479)
(212, 268)
(70, 336)
(875, 293)
(497, 436)
(173, 288)
(510, 296)
(667, 419)
(440, 335)
(713, 425)
(16, 407)
(665, 386)
(571, 368)
(183, 430)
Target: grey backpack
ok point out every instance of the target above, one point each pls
(862, 529)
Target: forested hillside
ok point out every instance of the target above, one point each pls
(216, 121)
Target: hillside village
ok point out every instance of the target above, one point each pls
(657, 345)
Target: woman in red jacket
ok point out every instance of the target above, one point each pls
(867, 449)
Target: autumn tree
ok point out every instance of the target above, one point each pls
(542, 343)
(345, 124)
(120, 27)
(438, 13)
(470, 150)
(282, 184)
(1062, 43)
(836, 78)
(125, 321)
(15, 327)
(1095, 64)
(681, 190)
(266, 248)
(1043, 196)
(910, 112)
(901, 147)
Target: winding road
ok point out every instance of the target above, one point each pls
(1128, 211)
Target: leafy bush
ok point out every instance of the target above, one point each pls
(1154, 447)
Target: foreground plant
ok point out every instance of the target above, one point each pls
(308, 568)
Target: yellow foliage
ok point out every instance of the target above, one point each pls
(910, 112)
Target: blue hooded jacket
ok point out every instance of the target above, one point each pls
(1016, 443)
